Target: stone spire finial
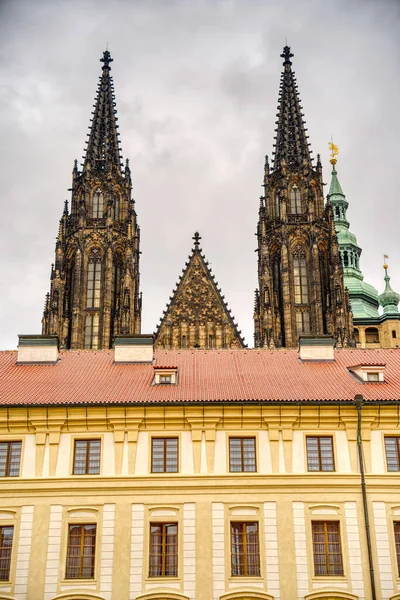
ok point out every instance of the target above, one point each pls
(106, 60)
(196, 239)
(287, 55)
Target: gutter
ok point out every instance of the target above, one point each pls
(358, 400)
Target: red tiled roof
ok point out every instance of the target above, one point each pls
(88, 376)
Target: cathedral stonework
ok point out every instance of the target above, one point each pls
(197, 315)
(301, 289)
(94, 291)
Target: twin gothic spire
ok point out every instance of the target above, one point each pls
(94, 283)
(94, 291)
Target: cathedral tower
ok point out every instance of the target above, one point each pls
(300, 276)
(94, 284)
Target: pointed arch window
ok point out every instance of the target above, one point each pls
(92, 331)
(116, 207)
(295, 200)
(277, 205)
(300, 279)
(116, 281)
(98, 205)
(93, 282)
(303, 322)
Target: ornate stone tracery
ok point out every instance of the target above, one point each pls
(197, 316)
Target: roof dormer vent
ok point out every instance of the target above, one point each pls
(372, 373)
(165, 375)
(316, 348)
(133, 348)
(37, 349)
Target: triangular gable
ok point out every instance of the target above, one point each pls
(197, 315)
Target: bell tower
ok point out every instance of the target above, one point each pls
(300, 276)
(94, 282)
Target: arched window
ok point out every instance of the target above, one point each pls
(372, 335)
(98, 205)
(345, 258)
(93, 281)
(356, 335)
(300, 279)
(394, 335)
(116, 206)
(183, 343)
(277, 205)
(295, 200)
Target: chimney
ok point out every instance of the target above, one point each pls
(133, 348)
(37, 349)
(316, 348)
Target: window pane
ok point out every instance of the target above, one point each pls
(164, 455)
(245, 556)
(6, 539)
(326, 548)
(87, 457)
(392, 446)
(81, 552)
(10, 458)
(242, 455)
(163, 550)
(397, 542)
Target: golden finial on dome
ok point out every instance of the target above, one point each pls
(334, 150)
(385, 259)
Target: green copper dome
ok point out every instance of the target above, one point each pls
(363, 296)
(389, 299)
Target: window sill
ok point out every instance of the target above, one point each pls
(245, 578)
(329, 578)
(77, 581)
(161, 578)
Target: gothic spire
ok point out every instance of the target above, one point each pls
(102, 152)
(291, 139)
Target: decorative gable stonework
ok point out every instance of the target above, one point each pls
(197, 316)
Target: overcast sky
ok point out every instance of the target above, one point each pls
(196, 87)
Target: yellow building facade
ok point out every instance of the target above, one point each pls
(206, 490)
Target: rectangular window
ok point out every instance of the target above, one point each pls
(397, 542)
(81, 552)
(326, 548)
(6, 540)
(10, 458)
(87, 457)
(164, 455)
(92, 332)
(165, 379)
(300, 280)
(302, 322)
(242, 455)
(163, 550)
(320, 453)
(245, 549)
(93, 284)
(392, 447)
